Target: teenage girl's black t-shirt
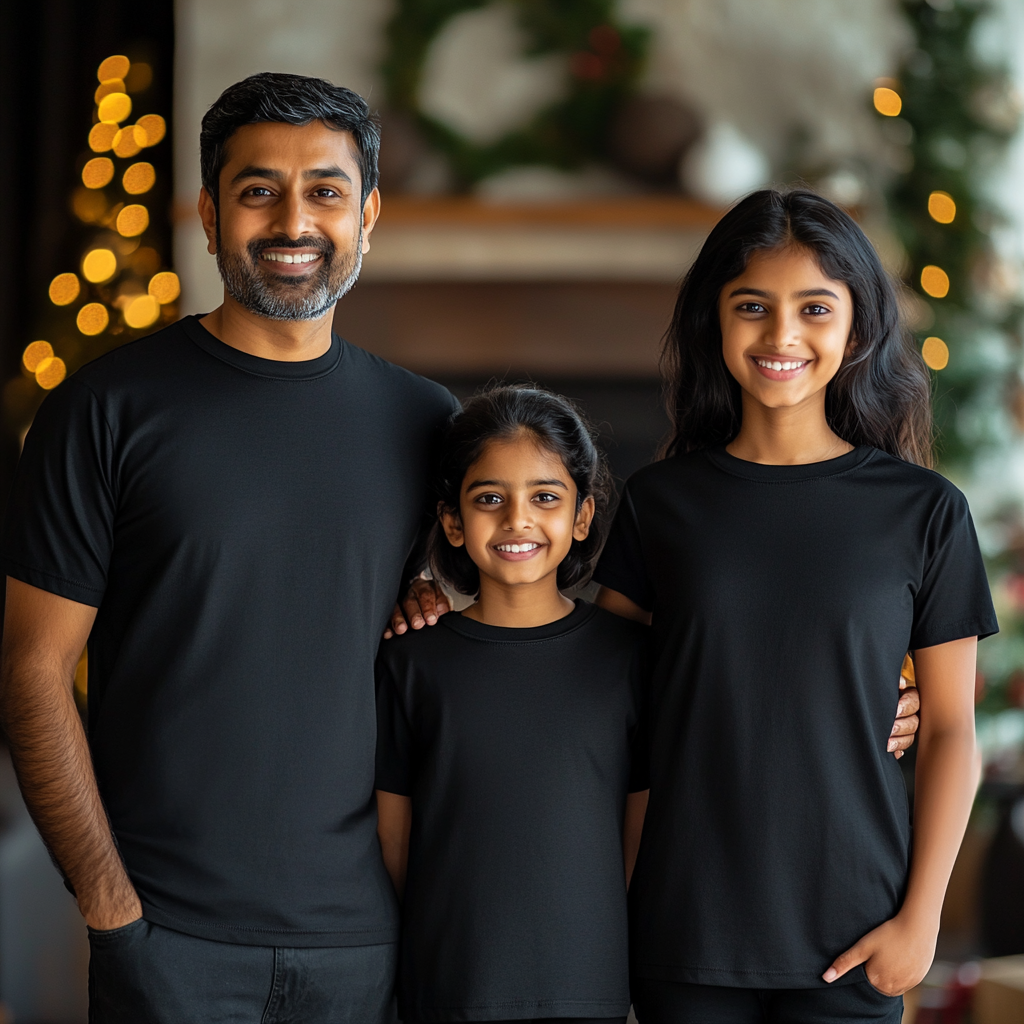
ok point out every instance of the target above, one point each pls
(784, 600)
(515, 747)
(241, 525)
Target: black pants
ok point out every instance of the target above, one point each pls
(671, 1002)
(146, 974)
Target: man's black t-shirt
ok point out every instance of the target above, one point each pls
(515, 747)
(242, 525)
(784, 599)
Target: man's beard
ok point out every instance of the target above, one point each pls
(276, 297)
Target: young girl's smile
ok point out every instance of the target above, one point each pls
(518, 513)
(784, 323)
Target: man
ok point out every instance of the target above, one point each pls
(225, 511)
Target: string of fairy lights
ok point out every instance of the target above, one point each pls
(119, 285)
(934, 280)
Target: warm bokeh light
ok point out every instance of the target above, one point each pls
(35, 353)
(114, 108)
(941, 207)
(98, 172)
(887, 101)
(935, 281)
(114, 67)
(936, 353)
(99, 265)
(132, 220)
(154, 126)
(88, 205)
(142, 311)
(101, 137)
(50, 372)
(106, 88)
(93, 318)
(129, 140)
(165, 287)
(139, 178)
(140, 77)
(64, 289)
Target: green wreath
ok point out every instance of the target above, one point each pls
(605, 60)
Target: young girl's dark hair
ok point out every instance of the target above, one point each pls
(881, 395)
(501, 414)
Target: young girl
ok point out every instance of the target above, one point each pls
(794, 540)
(505, 735)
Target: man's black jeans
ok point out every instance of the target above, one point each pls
(146, 974)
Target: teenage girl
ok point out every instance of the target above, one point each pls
(507, 744)
(789, 550)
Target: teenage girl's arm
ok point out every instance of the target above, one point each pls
(903, 729)
(394, 823)
(897, 954)
(636, 809)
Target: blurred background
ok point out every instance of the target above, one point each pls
(548, 170)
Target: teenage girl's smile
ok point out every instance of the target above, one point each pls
(785, 328)
(517, 550)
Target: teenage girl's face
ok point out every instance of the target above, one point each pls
(518, 515)
(785, 328)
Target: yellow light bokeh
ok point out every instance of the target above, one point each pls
(113, 109)
(50, 372)
(93, 318)
(101, 136)
(64, 289)
(935, 353)
(140, 77)
(113, 67)
(99, 265)
(132, 220)
(98, 172)
(142, 311)
(139, 178)
(165, 287)
(935, 281)
(35, 353)
(129, 140)
(154, 126)
(941, 207)
(887, 101)
(106, 88)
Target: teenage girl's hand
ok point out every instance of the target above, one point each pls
(896, 955)
(904, 729)
(424, 603)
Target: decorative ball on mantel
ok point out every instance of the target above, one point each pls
(649, 135)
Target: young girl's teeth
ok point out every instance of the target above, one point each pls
(775, 364)
(515, 549)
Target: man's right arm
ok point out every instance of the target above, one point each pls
(43, 638)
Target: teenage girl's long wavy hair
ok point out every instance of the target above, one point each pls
(881, 395)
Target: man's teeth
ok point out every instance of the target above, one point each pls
(775, 364)
(283, 257)
(515, 549)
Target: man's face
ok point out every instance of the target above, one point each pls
(290, 231)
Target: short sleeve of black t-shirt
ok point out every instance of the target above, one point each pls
(241, 526)
(783, 600)
(517, 747)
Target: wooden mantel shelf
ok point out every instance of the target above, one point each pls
(635, 238)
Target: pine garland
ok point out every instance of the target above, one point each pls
(605, 58)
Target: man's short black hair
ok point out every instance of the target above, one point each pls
(287, 99)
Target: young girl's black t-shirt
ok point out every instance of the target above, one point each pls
(517, 747)
(784, 599)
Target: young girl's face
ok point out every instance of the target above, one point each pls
(518, 514)
(785, 327)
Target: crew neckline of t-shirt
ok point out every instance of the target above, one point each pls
(789, 474)
(582, 613)
(275, 369)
